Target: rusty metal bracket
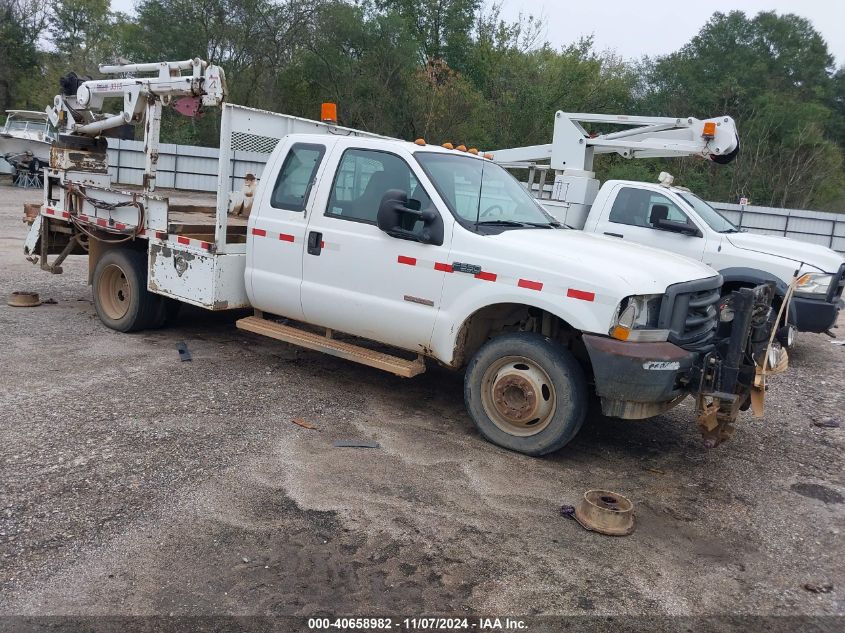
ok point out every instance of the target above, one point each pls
(54, 268)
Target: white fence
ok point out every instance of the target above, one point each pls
(181, 166)
(818, 227)
(195, 168)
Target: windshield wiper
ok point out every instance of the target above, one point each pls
(512, 223)
(731, 230)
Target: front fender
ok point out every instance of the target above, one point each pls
(585, 316)
(752, 277)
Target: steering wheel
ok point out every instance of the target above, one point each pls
(496, 209)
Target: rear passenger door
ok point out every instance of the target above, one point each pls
(358, 279)
(276, 230)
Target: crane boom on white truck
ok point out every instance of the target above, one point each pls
(356, 239)
(673, 218)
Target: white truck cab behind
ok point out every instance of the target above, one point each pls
(676, 220)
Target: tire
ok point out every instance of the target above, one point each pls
(526, 393)
(121, 298)
(167, 312)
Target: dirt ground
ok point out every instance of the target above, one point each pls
(136, 484)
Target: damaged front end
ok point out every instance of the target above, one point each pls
(732, 376)
(719, 349)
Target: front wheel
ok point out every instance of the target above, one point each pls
(526, 393)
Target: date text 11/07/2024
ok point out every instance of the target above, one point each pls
(417, 624)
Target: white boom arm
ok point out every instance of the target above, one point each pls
(143, 97)
(572, 147)
(571, 152)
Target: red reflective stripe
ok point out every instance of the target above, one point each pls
(531, 285)
(82, 217)
(205, 245)
(259, 232)
(101, 222)
(65, 214)
(285, 237)
(581, 294)
(183, 240)
(50, 211)
(119, 226)
(161, 236)
(486, 276)
(322, 244)
(410, 261)
(445, 268)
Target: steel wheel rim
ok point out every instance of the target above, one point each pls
(518, 396)
(114, 292)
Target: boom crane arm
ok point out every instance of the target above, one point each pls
(76, 111)
(573, 148)
(571, 152)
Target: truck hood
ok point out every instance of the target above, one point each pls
(644, 269)
(821, 257)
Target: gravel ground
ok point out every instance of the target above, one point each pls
(135, 484)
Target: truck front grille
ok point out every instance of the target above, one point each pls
(689, 311)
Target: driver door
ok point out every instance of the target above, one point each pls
(356, 278)
(632, 217)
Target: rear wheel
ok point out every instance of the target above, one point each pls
(526, 393)
(121, 298)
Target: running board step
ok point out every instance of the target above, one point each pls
(379, 360)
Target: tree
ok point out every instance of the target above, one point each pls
(774, 75)
(442, 28)
(21, 24)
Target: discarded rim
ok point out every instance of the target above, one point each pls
(605, 512)
(518, 396)
(114, 292)
(23, 299)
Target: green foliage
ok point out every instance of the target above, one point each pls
(21, 25)
(454, 70)
(774, 75)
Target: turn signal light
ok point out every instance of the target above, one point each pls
(420, 141)
(709, 129)
(621, 333)
(461, 148)
(328, 113)
(448, 146)
(473, 150)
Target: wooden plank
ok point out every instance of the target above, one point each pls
(371, 358)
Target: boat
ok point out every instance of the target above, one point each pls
(26, 137)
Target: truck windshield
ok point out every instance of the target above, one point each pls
(714, 219)
(482, 195)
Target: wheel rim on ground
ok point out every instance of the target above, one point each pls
(114, 292)
(518, 396)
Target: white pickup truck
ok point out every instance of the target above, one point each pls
(386, 253)
(673, 218)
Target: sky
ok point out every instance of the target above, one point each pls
(634, 28)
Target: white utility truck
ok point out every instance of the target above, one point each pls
(386, 252)
(674, 218)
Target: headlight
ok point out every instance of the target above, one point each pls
(636, 319)
(813, 284)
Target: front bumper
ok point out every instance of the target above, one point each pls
(638, 380)
(813, 315)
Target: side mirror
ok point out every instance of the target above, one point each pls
(659, 220)
(397, 216)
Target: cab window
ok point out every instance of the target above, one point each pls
(296, 176)
(362, 179)
(635, 207)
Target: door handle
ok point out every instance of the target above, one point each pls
(614, 234)
(315, 243)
